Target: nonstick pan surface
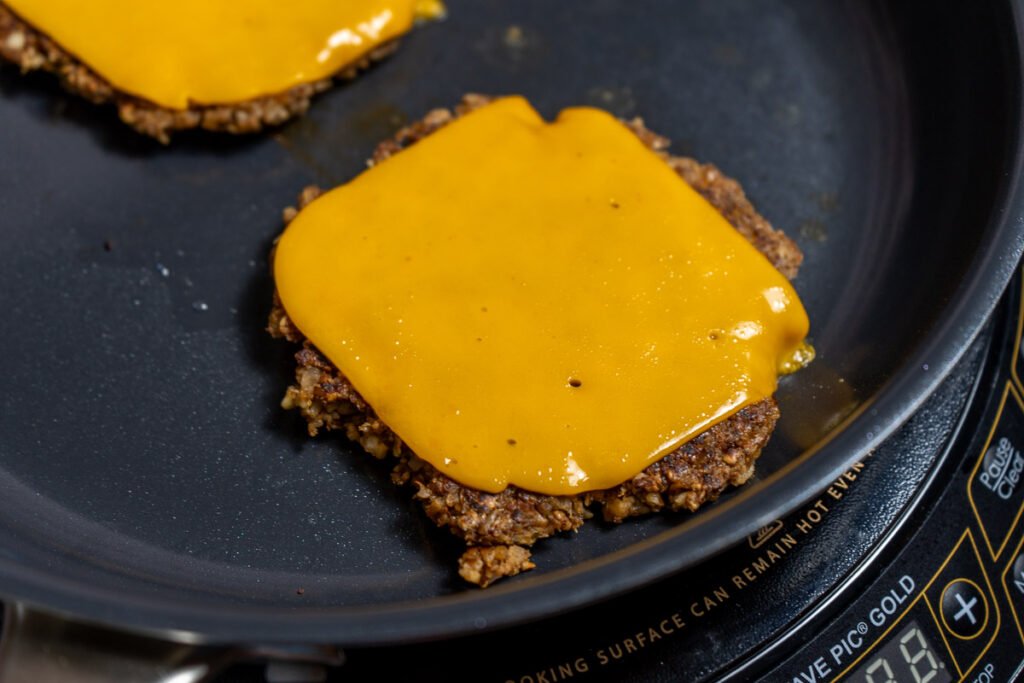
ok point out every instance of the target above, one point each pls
(148, 478)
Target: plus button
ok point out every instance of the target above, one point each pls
(964, 609)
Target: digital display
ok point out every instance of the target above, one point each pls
(907, 657)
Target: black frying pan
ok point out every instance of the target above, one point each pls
(150, 481)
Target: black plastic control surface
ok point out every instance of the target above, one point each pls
(957, 574)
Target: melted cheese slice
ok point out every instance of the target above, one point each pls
(219, 51)
(544, 305)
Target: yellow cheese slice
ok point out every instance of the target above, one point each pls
(541, 304)
(219, 52)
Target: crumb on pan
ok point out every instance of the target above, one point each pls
(482, 565)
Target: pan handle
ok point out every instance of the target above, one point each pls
(40, 648)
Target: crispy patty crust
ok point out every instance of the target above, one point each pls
(498, 527)
(31, 49)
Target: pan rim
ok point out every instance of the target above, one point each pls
(874, 421)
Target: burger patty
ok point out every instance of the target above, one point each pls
(497, 527)
(32, 50)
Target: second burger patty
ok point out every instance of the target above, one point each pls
(31, 50)
(498, 527)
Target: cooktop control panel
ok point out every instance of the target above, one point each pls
(949, 603)
(957, 624)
